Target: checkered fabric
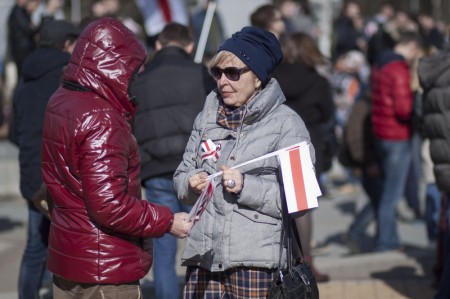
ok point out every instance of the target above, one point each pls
(235, 283)
(230, 118)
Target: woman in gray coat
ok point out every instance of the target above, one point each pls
(233, 250)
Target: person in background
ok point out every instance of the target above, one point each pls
(392, 103)
(48, 10)
(163, 121)
(157, 14)
(233, 250)
(105, 8)
(312, 99)
(5, 8)
(298, 17)
(113, 9)
(433, 38)
(98, 241)
(358, 153)
(42, 72)
(375, 24)
(348, 31)
(21, 32)
(434, 76)
(269, 18)
(349, 79)
(415, 173)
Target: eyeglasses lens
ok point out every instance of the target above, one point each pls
(232, 73)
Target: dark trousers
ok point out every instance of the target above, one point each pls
(442, 266)
(34, 258)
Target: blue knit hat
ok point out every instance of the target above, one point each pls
(257, 48)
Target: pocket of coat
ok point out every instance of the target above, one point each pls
(256, 216)
(124, 291)
(250, 229)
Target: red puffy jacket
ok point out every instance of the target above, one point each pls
(90, 163)
(392, 98)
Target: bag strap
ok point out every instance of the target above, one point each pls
(290, 230)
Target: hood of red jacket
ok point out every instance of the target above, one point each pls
(105, 59)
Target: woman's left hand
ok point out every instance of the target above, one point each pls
(232, 179)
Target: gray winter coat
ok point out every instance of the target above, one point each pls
(245, 229)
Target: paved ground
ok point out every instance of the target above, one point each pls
(366, 275)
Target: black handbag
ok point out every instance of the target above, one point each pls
(296, 281)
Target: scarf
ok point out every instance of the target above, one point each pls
(228, 117)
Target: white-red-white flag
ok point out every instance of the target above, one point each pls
(300, 184)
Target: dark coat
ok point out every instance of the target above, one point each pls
(90, 164)
(171, 92)
(20, 34)
(346, 36)
(434, 75)
(310, 95)
(42, 72)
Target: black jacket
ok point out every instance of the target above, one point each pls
(42, 72)
(170, 92)
(434, 75)
(309, 94)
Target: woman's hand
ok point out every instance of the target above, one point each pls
(232, 179)
(198, 182)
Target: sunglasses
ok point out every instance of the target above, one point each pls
(232, 73)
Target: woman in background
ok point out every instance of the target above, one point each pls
(309, 94)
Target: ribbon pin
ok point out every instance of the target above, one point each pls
(210, 150)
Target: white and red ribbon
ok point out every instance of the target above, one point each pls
(210, 150)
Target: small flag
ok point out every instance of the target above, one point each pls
(299, 180)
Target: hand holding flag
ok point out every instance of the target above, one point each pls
(299, 180)
(204, 198)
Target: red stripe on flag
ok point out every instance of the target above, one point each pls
(297, 178)
(165, 10)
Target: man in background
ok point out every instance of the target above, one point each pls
(41, 76)
(171, 92)
(392, 103)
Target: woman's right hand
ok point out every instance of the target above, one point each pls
(198, 182)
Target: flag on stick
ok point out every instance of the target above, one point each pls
(299, 180)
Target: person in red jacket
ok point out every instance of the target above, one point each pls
(99, 232)
(392, 103)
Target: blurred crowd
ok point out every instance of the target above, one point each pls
(363, 106)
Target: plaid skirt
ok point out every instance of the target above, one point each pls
(234, 283)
